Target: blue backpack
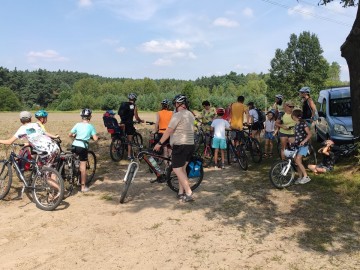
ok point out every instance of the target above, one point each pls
(195, 168)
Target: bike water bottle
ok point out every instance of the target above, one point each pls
(154, 163)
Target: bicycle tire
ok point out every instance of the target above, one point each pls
(199, 142)
(242, 159)
(138, 142)
(173, 183)
(90, 167)
(68, 183)
(5, 178)
(281, 181)
(47, 197)
(255, 150)
(117, 149)
(128, 181)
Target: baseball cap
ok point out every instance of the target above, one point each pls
(25, 114)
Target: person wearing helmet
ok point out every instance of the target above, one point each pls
(308, 108)
(42, 116)
(218, 127)
(161, 123)
(181, 133)
(278, 105)
(36, 136)
(127, 112)
(83, 132)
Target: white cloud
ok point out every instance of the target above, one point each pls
(305, 12)
(85, 3)
(120, 49)
(111, 41)
(47, 55)
(155, 46)
(225, 22)
(163, 62)
(248, 12)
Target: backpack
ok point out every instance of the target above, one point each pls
(195, 168)
(261, 115)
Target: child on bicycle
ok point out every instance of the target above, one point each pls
(269, 133)
(218, 126)
(302, 138)
(328, 161)
(83, 132)
(41, 116)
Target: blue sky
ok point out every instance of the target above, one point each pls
(158, 39)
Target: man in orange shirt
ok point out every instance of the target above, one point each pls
(237, 111)
(162, 121)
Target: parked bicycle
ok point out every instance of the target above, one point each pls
(119, 143)
(282, 173)
(46, 184)
(235, 150)
(251, 144)
(68, 165)
(165, 175)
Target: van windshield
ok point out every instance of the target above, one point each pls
(340, 107)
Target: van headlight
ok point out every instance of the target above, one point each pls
(340, 129)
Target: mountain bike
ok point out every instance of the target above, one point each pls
(46, 184)
(236, 151)
(282, 173)
(119, 143)
(251, 144)
(165, 175)
(68, 165)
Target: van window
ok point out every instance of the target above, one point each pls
(340, 107)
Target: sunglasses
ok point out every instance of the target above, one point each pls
(290, 106)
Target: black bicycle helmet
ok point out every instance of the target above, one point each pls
(132, 96)
(86, 112)
(279, 96)
(180, 99)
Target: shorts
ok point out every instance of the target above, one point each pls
(237, 135)
(269, 135)
(181, 154)
(282, 135)
(257, 126)
(218, 143)
(322, 166)
(129, 129)
(82, 152)
(303, 151)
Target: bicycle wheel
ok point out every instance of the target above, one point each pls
(241, 156)
(68, 181)
(255, 150)
(138, 142)
(48, 188)
(173, 182)
(199, 141)
(117, 149)
(281, 175)
(5, 178)
(90, 167)
(130, 174)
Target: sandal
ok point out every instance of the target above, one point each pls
(187, 198)
(265, 155)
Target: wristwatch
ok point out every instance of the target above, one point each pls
(159, 143)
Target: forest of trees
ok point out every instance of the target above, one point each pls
(301, 63)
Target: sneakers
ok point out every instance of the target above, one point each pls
(223, 166)
(187, 198)
(180, 196)
(297, 181)
(304, 180)
(86, 189)
(130, 158)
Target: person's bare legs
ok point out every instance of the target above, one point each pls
(183, 180)
(129, 137)
(83, 174)
(216, 154)
(300, 167)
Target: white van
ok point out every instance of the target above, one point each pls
(335, 122)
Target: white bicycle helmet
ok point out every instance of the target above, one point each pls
(305, 89)
(165, 102)
(289, 153)
(279, 96)
(180, 99)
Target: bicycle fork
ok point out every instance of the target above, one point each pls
(131, 171)
(286, 168)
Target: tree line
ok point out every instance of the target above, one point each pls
(300, 64)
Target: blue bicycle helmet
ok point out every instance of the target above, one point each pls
(41, 113)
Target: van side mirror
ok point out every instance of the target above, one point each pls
(322, 114)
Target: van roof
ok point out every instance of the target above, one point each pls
(334, 93)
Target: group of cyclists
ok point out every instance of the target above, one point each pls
(175, 127)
